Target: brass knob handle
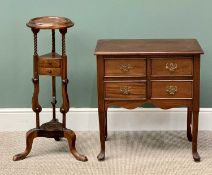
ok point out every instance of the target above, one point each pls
(171, 66)
(50, 71)
(171, 90)
(125, 67)
(125, 90)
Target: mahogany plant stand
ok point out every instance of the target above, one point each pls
(53, 65)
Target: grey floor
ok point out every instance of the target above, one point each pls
(142, 153)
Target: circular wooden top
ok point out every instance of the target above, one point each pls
(50, 22)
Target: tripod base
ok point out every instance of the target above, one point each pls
(52, 129)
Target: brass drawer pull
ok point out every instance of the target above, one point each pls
(171, 66)
(125, 67)
(125, 90)
(50, 71)
(171, 90)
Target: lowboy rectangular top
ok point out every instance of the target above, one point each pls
(148, 47)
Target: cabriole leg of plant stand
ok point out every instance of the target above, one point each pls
(30, 135)
(71, 137)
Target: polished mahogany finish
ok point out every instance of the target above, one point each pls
(50, 22)
(164, 72)
(134, 67)
(53, 65)
(148, 47)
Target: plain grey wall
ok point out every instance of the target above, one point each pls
(94, 19)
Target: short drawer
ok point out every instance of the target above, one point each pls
(172, 89)
(49, 63)
(125, 90)
(49, 71)
(125, 67)
(172, 66)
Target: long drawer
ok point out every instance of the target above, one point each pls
(125, 67)
(172, 66)
(125, 90)
(172, 89)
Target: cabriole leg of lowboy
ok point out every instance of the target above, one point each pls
(189, 123)
(101, 155)
(106, 134)
(196, 97)
(195, 134)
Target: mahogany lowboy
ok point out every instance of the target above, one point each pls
(163, 72)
